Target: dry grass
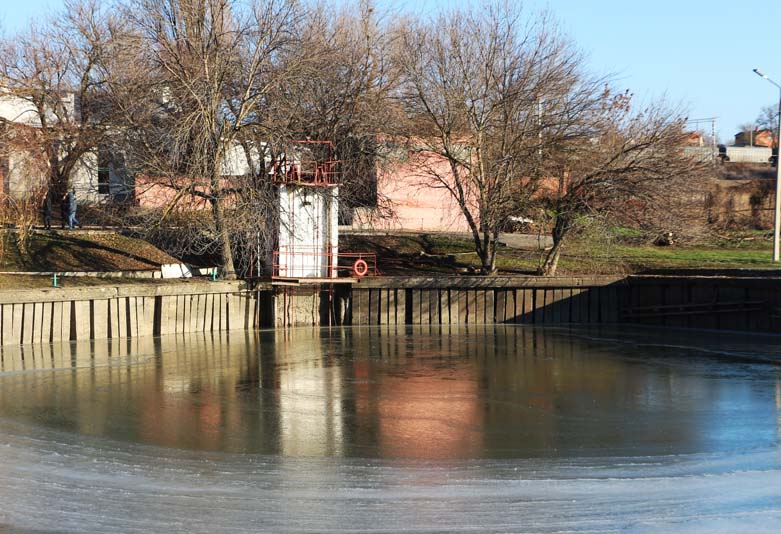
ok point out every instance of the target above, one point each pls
(79, 251)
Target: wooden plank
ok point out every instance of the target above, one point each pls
(167, 308)
(477, 311)
(81, 309)
(500, 303)
(208, 319)
(471, 305)
(452, 306)
(145, 309)
(182, 313)
(191, 313)
(565, 305)
(576, 308)
(218, 318)
(528, 306)
(111, 318)
(66, 321)
(5, 323)
(361, 306)
(444, 306)
(37, 333)
(56, 332)
(550, 311)
(509, 306)
(375, 306)
(46, 324)
(132, 315)
(594, 305)
(434, 305)
(124, 317)
(423, 305)
(98, 310)
(280, 299)
(539, 306)
(413, 305)
(28, 322)
(463, 304)
(142, 328)
(240, 310)
(199, 310)
(401, 306)
(489, 302)
(389, 310)
(605, 311)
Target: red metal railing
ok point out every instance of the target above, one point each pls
(300, 170)
(303, 263)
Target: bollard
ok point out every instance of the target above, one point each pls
(54, 279)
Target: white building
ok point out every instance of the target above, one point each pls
(24, 170)
(308, 196)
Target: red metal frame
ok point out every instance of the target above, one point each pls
(307, 171)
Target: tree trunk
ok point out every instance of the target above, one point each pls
(488, 260)
(224, 237)
(551, 262)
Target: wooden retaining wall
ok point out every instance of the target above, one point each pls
(481, 300)
(75, 314)
(748, 304)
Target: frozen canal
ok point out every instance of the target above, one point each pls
(453, 429)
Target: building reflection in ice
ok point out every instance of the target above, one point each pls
(399, 392)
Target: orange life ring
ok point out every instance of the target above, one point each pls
(360, 268)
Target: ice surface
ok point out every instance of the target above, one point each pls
(706, 436)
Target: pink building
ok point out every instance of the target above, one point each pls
(410, 199)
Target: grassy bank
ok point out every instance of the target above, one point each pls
(402, 254)
(78, 251)
(398, 254)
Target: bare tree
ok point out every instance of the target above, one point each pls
(632, 162)
(194, 90)
(341, 93)
(489, 93)
(768, 117)
(23, 174)
(54, 77)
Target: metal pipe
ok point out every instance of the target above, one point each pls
(776, 224)
(777, 211)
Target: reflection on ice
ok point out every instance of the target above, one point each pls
(384, 430)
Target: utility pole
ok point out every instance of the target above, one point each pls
(777, 211)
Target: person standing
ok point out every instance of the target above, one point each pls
(47, 210)
(72, 220)
(63, 211)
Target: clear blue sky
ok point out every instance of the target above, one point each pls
(695, 52)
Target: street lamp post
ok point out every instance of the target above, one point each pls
(777, 216)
